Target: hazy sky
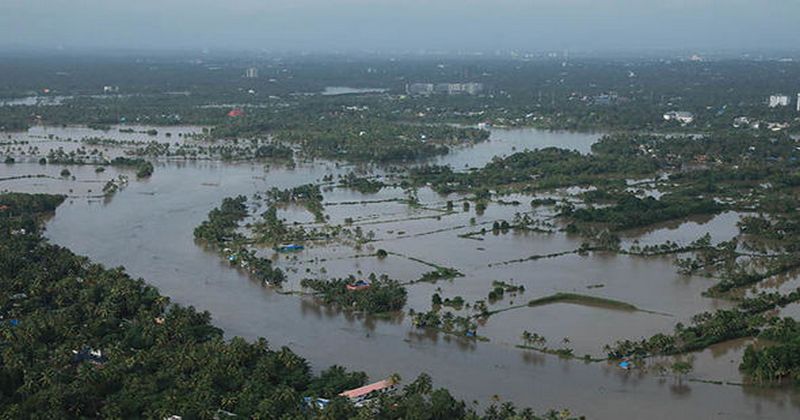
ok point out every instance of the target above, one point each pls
(393, 25)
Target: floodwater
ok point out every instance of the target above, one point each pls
(127, 133)
(147, 228)
(506, 141)
(49, 100)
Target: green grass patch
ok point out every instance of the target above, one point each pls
(578, 299)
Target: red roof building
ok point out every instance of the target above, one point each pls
(236, 112)
(366, 392)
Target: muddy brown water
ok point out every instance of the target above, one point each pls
(147, 228)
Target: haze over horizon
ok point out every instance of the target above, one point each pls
(386, 25)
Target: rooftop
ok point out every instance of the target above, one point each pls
(366, 389)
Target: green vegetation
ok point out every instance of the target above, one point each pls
(19, 205)
(776, 362)
(440, 273)
(535, 169)
(578, 299)
(500, 288)
(707, 328)
(219, 231)
(361, 184)
(631, 212)
(272, 231)
(307, 195)
(447, 323)
(143, 168)
(379, 295)
(456, 303)
(220, 227)
(355, 138)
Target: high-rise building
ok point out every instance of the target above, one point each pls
(251, 73)
(778, 100)
(798, 102)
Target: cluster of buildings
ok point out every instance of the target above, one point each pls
(746, 122)
(359, 396)
(444, 88)
(780, 100)
(683, 117)
(777, 100)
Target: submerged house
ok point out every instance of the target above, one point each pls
(358, 285)
(290, 248)
(361, 395)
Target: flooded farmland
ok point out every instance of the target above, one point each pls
(147, 228)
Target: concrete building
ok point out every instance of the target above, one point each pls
(682, 117)
(798, 102)
(444, 88)
(778, 100)
(361, 395)
(419, 88)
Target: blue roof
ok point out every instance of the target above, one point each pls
(290, 247)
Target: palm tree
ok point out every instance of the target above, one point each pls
(526, 337)
(394, 378)
(680, 368)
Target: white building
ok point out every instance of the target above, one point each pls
(444, 88)
(778, 100)
(419, 88)
(682, 117)
(251, 73)
(798, 102)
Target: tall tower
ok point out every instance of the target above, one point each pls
(798, 102)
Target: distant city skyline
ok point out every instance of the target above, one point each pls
(392, 25)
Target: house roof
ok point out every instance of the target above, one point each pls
(366, 389)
